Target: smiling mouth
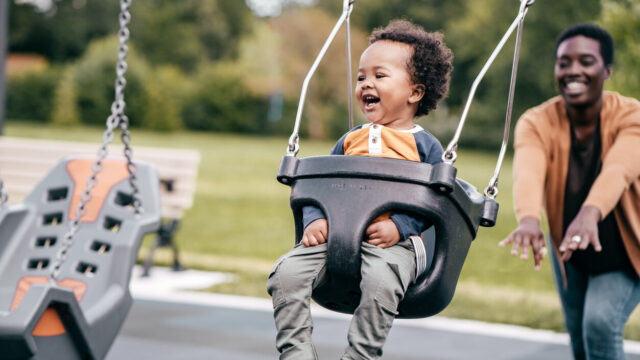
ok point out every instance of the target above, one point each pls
(370, 101)
(575, 87)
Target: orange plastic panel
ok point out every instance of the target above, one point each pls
(24, 285)
(49, 323)
(113, 172)
(78, 287)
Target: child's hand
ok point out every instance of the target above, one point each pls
(383, 234)
(315, 233)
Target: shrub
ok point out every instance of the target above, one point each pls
(163, 99)
(30, 95)
(94, 76)
(220, 102)
(66, 111)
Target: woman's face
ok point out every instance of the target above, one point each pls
(580, 71)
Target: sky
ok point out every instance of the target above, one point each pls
(272, 7)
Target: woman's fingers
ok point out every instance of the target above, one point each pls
(525, 248)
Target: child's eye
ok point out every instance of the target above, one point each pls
(379, 76)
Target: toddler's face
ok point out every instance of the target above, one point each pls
(384, 90)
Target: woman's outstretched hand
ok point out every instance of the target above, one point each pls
(527, 235)
(582, 231)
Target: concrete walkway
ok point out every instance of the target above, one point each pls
(171, 321)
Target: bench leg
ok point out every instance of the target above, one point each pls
(148, 262)
(164, 238)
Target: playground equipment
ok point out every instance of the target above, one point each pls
(377, 185)
(67, 251)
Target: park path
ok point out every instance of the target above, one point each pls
(169, 322)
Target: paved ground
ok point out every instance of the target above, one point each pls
(168, 323)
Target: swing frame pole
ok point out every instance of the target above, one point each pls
(4, 35)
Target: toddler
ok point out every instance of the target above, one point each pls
(403, 74)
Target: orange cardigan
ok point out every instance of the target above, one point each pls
(542, 143)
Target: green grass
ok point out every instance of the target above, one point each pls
(241, 222)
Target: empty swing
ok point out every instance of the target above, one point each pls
(67, 251)
(376, 185)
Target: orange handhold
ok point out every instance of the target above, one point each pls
(50, 323)
(114, 171)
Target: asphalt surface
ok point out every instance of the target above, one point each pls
(169, 323)
(167, 330)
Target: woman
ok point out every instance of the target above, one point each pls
(578, 156)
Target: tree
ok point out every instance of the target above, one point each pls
(303, 32)
(189, 32)
(475, 33)
(184, 32)
(622, 19)
(63, 31)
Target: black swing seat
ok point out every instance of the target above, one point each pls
(79, 315)
(353, 190)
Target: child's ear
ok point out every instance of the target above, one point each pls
(417, 92)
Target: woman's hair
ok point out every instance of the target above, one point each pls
(594, 32)
(430, 64)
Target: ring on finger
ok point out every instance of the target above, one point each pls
(576, 238)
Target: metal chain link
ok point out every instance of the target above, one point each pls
(116, 119)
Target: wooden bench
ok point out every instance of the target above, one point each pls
(24, 162)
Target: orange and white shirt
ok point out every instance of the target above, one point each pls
(415, 144)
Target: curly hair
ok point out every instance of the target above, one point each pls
(430, 64)
(594, 32)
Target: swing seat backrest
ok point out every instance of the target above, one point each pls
(354, 190)
(80, 315)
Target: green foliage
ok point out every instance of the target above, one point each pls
(163, 100)
(220, 102)
(63, 32)
(66, 110)
(30, 95)
(622, 19)
(192, 31)
(94, 77)
(476, 32)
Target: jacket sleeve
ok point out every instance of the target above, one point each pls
(529, 169)
(409, 225)
(620, 166)
(310, 214)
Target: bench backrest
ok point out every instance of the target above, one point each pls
(23, 162)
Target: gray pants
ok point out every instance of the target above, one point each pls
(386, 275)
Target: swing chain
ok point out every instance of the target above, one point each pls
(294, 140)
(348, 7)
(4, 197)
(491, 190)
(449, 156)
(116, 119)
